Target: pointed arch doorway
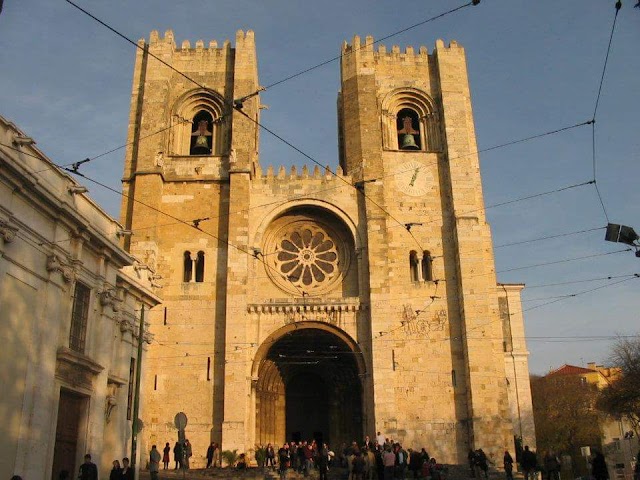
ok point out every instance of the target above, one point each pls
(308, 386)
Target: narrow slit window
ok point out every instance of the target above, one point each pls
(427, 271)
(188, 267)
(413, 267)
(200, 267)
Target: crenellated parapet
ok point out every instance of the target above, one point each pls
(294, 174)
(366, 51)
(156, 41)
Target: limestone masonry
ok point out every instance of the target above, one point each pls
(320, 303)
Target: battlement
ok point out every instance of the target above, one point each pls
(366, 50)
(243, 39)
(318, 174)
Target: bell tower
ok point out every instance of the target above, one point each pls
(407, 137)
(193, 143)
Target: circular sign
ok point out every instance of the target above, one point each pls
(180, 420)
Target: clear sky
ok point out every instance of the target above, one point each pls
(534, 66)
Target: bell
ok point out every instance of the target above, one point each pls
(409, 143)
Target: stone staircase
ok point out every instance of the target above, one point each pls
(453, 472)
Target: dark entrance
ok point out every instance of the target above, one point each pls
(307, 406)
(309, 388)
(70, 412)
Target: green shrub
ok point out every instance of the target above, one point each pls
(230, 457)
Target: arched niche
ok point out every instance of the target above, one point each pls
(200, 127)
(409, 111)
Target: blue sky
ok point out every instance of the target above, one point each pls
(533, 67)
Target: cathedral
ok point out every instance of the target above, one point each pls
(323, 303)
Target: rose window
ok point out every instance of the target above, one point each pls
(307, 256)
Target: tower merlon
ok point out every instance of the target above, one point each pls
(382, 54)
(245, 38)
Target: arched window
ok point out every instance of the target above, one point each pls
(188, 267)
(201, 134)
(199, 129)
(200, 267)
(414, 267)
(410, 121)
(427, 272)
(408, 130)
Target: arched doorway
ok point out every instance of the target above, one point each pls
(309, 387)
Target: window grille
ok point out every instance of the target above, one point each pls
(79, 316)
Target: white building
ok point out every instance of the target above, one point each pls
(70, 302)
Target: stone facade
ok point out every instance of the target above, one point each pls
(70, 299)
(319, 303)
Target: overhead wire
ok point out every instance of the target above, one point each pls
(618, 5)
(586, 183)
(549, 237)
(189, 224)
(237, 105)
(382, 39)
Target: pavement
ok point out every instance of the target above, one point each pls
(454, 472)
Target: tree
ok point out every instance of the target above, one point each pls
(564, 414)
(621, 398)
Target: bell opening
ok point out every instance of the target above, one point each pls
(408, 129)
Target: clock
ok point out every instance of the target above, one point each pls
(412, 178)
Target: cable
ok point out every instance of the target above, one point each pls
(581, 293)
(563, 261)
(182, 222)
(606, 59)
(618, 5)
(549, 237)
(595, 184)
(333, 59)
(360, 191)
(119, 147)
(237, 105)
(610, 277)
(296, 197)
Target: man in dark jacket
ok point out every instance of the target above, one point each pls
(88, 470)
(529, 463)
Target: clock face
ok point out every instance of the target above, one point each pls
(411, 178)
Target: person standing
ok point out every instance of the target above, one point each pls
(127, 471)
(165, 455)
(322, 461)
(88, 470)
(154, 462)
(389, 460)
(116, 471)
(508, 465)
(270, 456)
(529, 463)
(177, 455)
(483, 462)
(210, 455)
(283, 460)
(187, 452)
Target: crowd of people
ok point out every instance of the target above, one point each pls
(377, 459)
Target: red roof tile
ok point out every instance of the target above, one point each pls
(569, 370)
